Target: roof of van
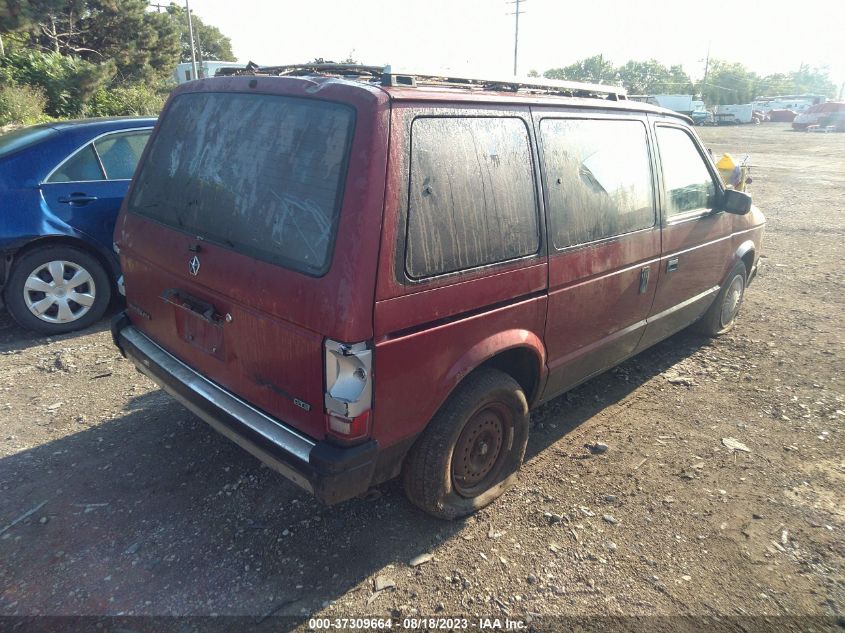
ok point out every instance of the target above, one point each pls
(427, 87)
(430, 93)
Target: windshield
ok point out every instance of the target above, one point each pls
(261, 174)
(23, 137)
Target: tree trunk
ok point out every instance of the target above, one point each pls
(55, 34)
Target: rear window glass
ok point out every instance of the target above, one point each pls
(23, 137)
(598, 176)
(262, 174)
(472, 194)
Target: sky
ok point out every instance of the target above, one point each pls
(476, 37)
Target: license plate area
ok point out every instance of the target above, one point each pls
(197, 323)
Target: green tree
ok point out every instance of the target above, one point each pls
(67, 82)
(728, 82)
(679, 81)
(141, 45)
(595, 69)
(51, 25)
(211, 44)
(813, 81)
(775, 84)
(643, 78)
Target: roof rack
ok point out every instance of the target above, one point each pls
(386, 76)
(300, 70)
(511, 84)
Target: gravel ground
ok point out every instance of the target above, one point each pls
(138, 508)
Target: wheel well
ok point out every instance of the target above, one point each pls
(748, 260)
(520, 364)
(61, 240)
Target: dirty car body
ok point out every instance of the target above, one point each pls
(294, 276)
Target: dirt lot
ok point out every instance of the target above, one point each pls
(143, 510)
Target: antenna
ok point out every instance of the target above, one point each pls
(516, 13)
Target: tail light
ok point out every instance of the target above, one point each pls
(349, 390)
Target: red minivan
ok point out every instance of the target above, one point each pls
(356, 274)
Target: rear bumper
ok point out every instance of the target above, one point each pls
(331, 473)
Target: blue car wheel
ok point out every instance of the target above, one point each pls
(57, 289)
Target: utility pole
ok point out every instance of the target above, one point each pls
(516, 15)
(706, 69)
(191, 37)
(199, 56)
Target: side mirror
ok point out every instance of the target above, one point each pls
(736, 202)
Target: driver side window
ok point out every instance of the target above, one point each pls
(688, 183)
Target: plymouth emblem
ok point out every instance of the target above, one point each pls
(194, 265)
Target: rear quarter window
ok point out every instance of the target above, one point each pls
(472, 198)
(120, 152)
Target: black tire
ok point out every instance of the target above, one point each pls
(19, 290)
(715, 322)
(489, 407)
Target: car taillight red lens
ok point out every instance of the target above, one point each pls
(349, 429)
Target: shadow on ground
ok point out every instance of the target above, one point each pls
(153, 513)
(15, 338)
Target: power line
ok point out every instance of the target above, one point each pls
(516, 15)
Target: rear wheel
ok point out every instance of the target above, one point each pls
(57, 289)
(473, 447)
(721, 316)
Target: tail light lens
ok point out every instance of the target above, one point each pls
(349, 389)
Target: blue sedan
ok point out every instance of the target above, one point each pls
(62, 185)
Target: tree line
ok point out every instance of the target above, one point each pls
(726, 82)
(66, 58)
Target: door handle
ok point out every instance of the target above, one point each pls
(672, 265)
(644, 274)
(77, 198)
(202, 309)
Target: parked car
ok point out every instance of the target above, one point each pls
(781, 116)
(700, 117)
(831, 113)
(359, 278)
(62, 185)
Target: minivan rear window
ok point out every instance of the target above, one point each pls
(261, 174)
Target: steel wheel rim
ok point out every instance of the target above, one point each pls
(480, 450)
(59, 292)
(733, 297)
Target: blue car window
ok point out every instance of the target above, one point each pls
(120, 153)
(81, 166)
